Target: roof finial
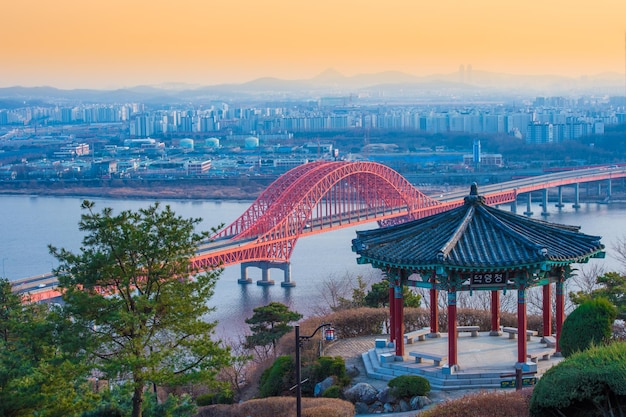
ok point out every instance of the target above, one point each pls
(473, 197)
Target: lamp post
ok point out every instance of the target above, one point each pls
(329, 334)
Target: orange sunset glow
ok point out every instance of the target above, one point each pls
(105, 44)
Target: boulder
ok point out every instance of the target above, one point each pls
(361, 392)
(361, 408)
(385, 396)
(320, 387)
(352, 371)
(404, 406)
(388, 408)
(420, 401)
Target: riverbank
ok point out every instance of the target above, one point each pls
(234, 189)
(211, 189)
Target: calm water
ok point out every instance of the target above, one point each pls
(29, 224)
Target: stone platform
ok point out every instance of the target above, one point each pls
(482, 360)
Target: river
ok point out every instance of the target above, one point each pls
(28, 224)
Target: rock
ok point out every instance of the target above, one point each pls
(404, 406)
(320, 387)
(352, 371)
(419, 402)
(388, 408)
(377, 407)
(361, 408)
(361, 392)
(385, 396)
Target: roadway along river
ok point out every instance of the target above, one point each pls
(29, 224)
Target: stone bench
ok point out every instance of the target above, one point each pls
(420, 334)
(432, 356)
(543, 354)
(550, 341)
(472, 329)
(512, 331)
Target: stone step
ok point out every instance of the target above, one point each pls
(438, 381)
(372, 370)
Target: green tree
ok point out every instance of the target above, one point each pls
(411, 299)
(268, 324)
(378, 296)
(36, 376)
(590, 323)
(358, 296)
(142, 317)
(612, 287)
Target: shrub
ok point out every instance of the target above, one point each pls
(485, 403)
(358, 321)
(323, 368)
(417, 318)
(278, 378)
(406, 386)
(172, 406)
(327, 366)
(590, 323)
(282, 407)
(205, 399)
(588, 383)
(332, 392)
(367, 321)
(226, 396)
(347, 323)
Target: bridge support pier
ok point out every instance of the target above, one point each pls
(244, 279)
(576, 195)
(265, 275)
(559, 204)
(265, 267)
(529, 202)
(608, 190)
(544, 208)
(514, 206)
(287, 282)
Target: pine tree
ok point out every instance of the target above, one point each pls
(141, 310)
(268, 324)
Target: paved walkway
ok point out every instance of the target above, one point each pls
(351, 350)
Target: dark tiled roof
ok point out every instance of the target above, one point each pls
(475, 237)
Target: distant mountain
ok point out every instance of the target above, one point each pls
(330, 82)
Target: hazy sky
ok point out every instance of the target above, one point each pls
(114, 43)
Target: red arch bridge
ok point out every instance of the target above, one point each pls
(323, 196)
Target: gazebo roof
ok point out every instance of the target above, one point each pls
(475, 238)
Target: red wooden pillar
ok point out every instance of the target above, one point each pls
(434, 312)
(392, 312)
(547, 310)
(521, 325)
(495, 313)
(452, 345)
(560, 311)
(399, 320)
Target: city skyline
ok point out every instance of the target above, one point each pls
(77, 44)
